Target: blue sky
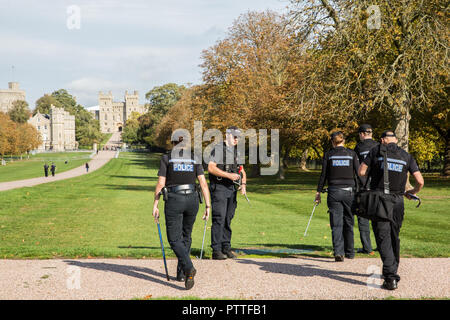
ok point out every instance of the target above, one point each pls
(120, 45)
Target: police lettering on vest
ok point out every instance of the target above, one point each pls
(179, 170)
(399, 163)
(339, 167)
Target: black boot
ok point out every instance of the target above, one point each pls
(218, 255)
(189, 282)
(390, 284)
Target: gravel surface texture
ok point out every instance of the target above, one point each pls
(244, 278)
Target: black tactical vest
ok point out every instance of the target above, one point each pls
(181, 170)
(398, 161)
(224, 166)
(340, 168)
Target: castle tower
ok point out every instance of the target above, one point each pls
(131, 104)
(8, 96)
(105, 103)
(57, 128)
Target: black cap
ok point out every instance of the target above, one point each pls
(388, 133)
(365, 127)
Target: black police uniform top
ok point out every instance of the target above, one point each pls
(399, 164)
(339, 167)
(362, 149)
(232, 166)
(179, 170)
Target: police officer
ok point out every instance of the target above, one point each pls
(46, 169)
(387, 232)
(362, 149)
(223, 169)
(177, 174)
(53, 169)
(339, 168)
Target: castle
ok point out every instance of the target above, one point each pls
(113, 115)
(57, 129)
(8, 96)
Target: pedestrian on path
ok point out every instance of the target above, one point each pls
(87, 167)
(46, 169)
(53, 169)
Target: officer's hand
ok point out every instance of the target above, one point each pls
(156, 214)
(318, 200)
(243, 189)
(234, 176)
(410, 193)
(206, 215)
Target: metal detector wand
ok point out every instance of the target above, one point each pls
(203, 242)
(310, 218)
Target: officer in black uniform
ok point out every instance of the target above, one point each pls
(46, 169)
(387, 232)
(362, 149)
(177, 174)
(339, 168)
(223, 169)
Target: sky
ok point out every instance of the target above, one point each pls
(111, 45)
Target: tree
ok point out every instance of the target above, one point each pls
(391, 58)
(162, 98)
(130, 132)
(8, 135)
(44, 104)
(28, 138)
(19, 112)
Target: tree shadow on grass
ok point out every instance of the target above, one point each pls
(306, 270)
(131, 271)
(136, 177)
(129, 187)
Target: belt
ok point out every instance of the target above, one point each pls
(182, 189)
(337, 188)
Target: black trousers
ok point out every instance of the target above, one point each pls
(364, 234)
(223, 201)
(340, 206)
(388, 241)
(180, 211)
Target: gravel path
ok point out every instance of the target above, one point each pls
(97, 161)
(261, 279)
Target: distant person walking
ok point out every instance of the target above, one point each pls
(53, 169)
(46, 170)
(87, 167)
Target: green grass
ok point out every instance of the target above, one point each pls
(107, 213)
(34, 167)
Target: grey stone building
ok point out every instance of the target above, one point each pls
(8, 96)
(113, 115)
(57, 130)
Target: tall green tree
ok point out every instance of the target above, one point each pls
(19, 112)
(44, 103)
(162, 98)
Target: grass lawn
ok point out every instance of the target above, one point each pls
(34, 167)
(107, 213)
